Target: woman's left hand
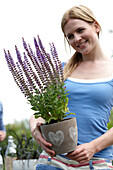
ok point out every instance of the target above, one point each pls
(83, 153)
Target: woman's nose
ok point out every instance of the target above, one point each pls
(77, 38)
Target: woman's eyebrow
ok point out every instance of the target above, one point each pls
(77, 29)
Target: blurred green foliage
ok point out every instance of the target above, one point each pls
(110, 124)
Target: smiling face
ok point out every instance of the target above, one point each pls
(81, 35)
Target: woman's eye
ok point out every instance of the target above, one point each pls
(70, 36)
(80, 30)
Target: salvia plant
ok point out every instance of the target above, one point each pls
(39, 75)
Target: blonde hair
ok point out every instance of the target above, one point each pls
(77, 12)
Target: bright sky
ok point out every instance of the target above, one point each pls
(29, 18)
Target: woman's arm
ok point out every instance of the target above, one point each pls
(103, 141)
(35, 130)
(85, 151)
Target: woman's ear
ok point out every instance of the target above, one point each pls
(97, 27)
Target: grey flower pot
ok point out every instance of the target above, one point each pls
(62, 135)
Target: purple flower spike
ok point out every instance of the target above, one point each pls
(39, 75)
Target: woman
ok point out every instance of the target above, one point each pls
(89, 78)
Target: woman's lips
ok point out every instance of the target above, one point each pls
(81, 45)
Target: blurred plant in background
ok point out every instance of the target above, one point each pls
(110, 124)
(27, 148)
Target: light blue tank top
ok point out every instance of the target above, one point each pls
(91, 101)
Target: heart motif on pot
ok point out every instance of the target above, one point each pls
(56, 138)
(72, 133)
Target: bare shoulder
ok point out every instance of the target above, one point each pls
(109, 65)
(110, 62)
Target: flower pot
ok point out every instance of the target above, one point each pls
(25, 164)
(62, 135)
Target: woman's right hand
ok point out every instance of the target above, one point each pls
(38, 136)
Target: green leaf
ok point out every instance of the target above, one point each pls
(51, 118)
(34, 108)
(37, 113)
